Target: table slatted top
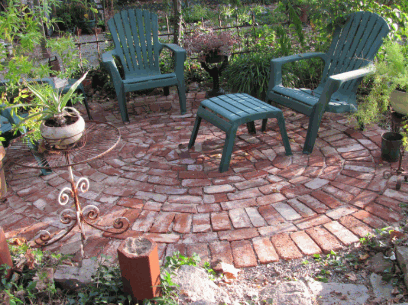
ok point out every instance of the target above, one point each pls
(238, 106)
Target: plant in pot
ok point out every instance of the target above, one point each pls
(379, 105)
(50, 118)
(211, 49)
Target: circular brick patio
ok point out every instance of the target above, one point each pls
(267, 207)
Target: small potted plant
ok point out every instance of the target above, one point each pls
(58, 124)
(211, 48)
(391, 74)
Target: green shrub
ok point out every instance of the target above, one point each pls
(249, 73)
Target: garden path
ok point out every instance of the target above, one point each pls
(266, 207)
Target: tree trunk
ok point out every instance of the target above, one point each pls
(178, 17)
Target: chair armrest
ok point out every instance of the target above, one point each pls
(109, 63)
(335, 81)
(277, 63)
(180, 57)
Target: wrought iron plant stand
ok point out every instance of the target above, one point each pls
(98, 139)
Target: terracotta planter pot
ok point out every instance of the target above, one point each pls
(97, 30)
(399, 101)
(5, 257)
(139, 265)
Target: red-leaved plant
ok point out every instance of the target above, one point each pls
(205, 42)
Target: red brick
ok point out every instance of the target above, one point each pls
(378, 184)
(355, 226)
(389, 202)
(255, 174)
(179, 207)
(271, 216)
(227, 180)
(352, 181)
(281, 161)
(246, 194)
(200, 238)
(220, 221)
(293, 191)
(216, 189)
(331, 172)
(131, 203)
(145, 221)
(238, 234)
(170, 190)
(185, 199)
(251, 184)
(313, 203)
(239, 218)
(163, 180)
(269, 199)
(326, 199)
(200, 249)
(342, 234)
(312, 221)
(195, 182)
(162, 173)
(152, 206)
(292, 171)
(172, 248)
(182, 223)
(244, 203)
(285, 247)
(305, 243)
(244, 255)
(192, 175)
(264, 250)
(210, 207)
(221, 251)
(116, 191)
(131, 215)
(196, 191)
(162, 222)
(201, 223)
(383, 212)
(365, 198)
(370, 219)
(326, 241)
(163, 238)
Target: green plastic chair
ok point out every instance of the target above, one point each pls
(353, 46)
(137, 46)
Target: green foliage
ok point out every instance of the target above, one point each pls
(196, 13)
(391, 73)
(107, 287)
(249, 73)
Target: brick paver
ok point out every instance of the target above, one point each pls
(266, 207)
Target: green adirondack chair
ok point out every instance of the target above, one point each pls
(135, 35)
(353, 46)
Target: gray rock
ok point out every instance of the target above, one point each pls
(196, 288)
(402, 258)
(378, 264)
(381, 289)
(338, 293)
(72, 277)
(288, 293)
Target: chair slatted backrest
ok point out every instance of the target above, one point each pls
(354, 45)
(135, 35)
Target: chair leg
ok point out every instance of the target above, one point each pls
(227, 151)
(182, 97)
(264, 121)
(314, 124)
(195, 132)
(284, 134)
(122, 105)
(166, 91)
(81, 87)
(251, 127)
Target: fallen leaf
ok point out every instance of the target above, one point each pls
(18, 241)
(363, 257)
(351, 276)
(396, 235)
(395, 291)
(30, 259)
(229, 271)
